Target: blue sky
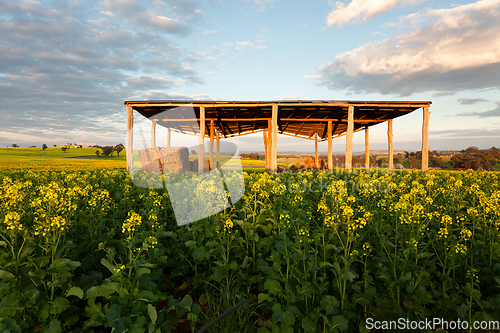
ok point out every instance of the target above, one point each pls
(66, 67)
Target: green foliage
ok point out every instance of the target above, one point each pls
(107, 150)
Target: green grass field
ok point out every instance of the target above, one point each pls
(54, 158)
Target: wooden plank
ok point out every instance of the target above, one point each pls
(316, 158)
(333, 136)
(330, 147)
(211, 149)
(425, 139)
(265, 104)
(169, 137)
(201, 139)
(391, 147)
(284, 120)
(274, 145)
(217, 154)
(153, 133)
(367, 149)
(350, 130)
(130, 139)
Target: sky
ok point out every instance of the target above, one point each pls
(66, 67)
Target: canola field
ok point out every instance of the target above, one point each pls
(312, 251)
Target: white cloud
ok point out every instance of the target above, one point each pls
(458, 49)
(244, 45)
(262, 3)
(361, 10)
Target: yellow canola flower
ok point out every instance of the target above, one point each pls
(443, 233)
(367, 248)
(446, 219)
(466, 234)
(132, 223)
(12, 221)
(461, 248)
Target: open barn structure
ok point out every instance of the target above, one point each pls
(313, 120)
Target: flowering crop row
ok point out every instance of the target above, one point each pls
(311, 251)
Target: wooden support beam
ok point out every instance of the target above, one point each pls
(201, 138)
(348, 146)
(153, 133)
(391, 147)
(169, 137)
(325, 130)
(266, 149)
(217, 155)
(269, 142)
(336, 126)
(330, 147)
(211, 149)
(274, 144)
(130, 139)
(367, 149)
(425, 139)
(316, 159)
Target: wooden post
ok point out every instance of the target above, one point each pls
(350, 130)
(130, 139)
(330, 146)
(391, 147)
(425, 140)
(217, 156)
(269, 143)
(266, 149)
(274, 147)
(211, 149)
(168, 137)
(153, 133)
(316, 159)
(201, 139)
(367, 149)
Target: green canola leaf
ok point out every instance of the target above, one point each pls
(54, 327)
(152, 313)
(58, 305)
(75, 291)
(308, 325)
(4, 275)
(264, 297)
(273, 286)
(340, 322)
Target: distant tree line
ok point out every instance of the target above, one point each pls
(109, 150)
(474, 158)
(253, 156)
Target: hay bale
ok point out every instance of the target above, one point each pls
(172, 159)
(193, 166)
(149, 159)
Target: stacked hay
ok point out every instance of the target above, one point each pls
(193, 166)
(173, 159)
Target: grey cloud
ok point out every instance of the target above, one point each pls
(457, 80)
(63, 68)
(492, 113)
(469, 101)
(466, 133)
